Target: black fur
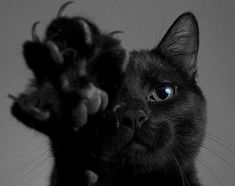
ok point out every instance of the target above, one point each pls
(135, 140)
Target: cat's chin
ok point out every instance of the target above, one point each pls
(140, 146)
(137, 160)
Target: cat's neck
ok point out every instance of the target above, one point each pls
(71, 162)
(68, 174)
(172, 177)
(175, 179)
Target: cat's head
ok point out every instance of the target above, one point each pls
(160, 112)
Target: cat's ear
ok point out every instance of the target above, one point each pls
(180, 44)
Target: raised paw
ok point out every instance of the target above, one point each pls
(78, 64)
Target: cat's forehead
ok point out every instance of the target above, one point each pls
(144, 60)
(149, 66)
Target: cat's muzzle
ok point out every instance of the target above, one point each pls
(131, 114)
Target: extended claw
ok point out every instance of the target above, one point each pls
(115, 32)
(39, 114)
(88, 34)
(62, 8)
(34, 31)
(81, 116)
(14, 98)
(55, 52)
(104, 100)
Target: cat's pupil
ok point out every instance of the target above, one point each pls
(163, 92)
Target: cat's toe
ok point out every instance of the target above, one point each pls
(92, 178)
(39, 114)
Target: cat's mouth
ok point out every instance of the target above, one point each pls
(138, 146)
(139, 143)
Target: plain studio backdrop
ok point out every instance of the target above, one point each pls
(24, 155)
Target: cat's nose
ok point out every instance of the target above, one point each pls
(132, 118)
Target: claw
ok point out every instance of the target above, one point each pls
(115, 32)
(88, 34)
(116, 107)
(55, 52)
(80, 114)
(62, 8)
(104, 99)
(34, 31)
(39, 114)
(14, 98)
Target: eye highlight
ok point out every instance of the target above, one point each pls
(162, 93)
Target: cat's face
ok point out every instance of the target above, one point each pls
(160, 110)
(152, 131)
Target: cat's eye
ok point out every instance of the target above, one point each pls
(162, 93)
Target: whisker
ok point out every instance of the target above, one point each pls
(221, 144)
(31, 170)
(220, 139)
(37, 175)
(29, 163)
(183, 177)
(203, 163)
(212, 150)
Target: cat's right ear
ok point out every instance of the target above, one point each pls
(180, 44)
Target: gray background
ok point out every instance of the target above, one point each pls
(24, 155)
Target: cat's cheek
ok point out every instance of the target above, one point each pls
(167, 135)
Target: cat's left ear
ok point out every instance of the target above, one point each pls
(180, 44)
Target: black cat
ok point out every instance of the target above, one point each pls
(113, 122)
